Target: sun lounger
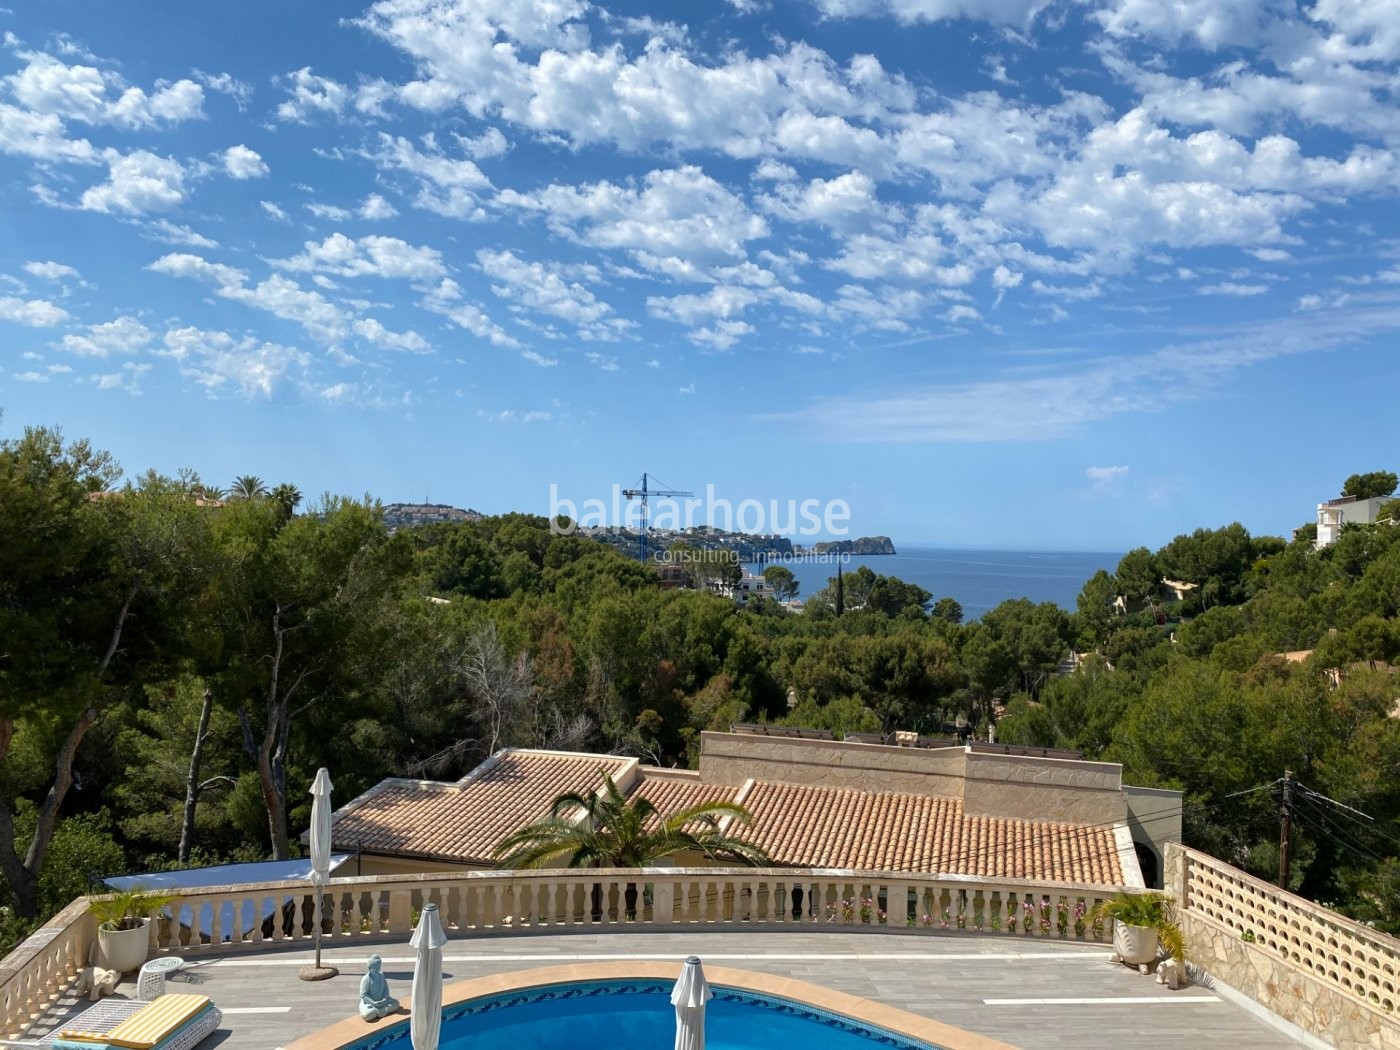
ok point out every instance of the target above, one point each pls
(172, 1022)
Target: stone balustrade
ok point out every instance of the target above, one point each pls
(384, 908)
(42, 966)
(1325, 973)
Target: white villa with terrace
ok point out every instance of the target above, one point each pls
(942, 892)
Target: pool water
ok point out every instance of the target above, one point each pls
(637, 1015)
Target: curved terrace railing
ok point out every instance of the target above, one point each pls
(366, 909)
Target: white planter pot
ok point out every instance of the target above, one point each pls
(124, 950)
(1135, 945)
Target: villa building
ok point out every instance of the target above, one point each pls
(979, 811)
(1346, 510)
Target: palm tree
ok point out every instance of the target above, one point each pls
(625, 833)
(248, 486)
(619, 832)
(288, 495)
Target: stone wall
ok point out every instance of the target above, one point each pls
(992, 785)
(1332, 977)
(1046, 789)
(732, 758)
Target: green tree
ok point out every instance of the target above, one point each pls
(300, 610)
(949, 610)
(1369, 486)
(93, 588)
(618, 832)
(1138, 575)
(781, 581)
(1095, 605)
(1215, 560)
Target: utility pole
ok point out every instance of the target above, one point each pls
(1285, 820)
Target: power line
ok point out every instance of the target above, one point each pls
(1323, 824)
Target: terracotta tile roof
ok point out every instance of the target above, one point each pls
(670, 794)
(884, 831)
(464, 821)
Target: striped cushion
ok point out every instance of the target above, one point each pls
(149, 1025)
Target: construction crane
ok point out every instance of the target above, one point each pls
(642, 494)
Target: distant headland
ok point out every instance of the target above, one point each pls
(863, 545)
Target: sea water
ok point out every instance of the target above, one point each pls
(978, 579)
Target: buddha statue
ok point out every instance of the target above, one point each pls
(375, 1000)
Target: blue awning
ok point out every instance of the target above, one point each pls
(254, 911)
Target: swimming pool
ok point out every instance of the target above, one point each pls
(625, 1005)
(638, 1014)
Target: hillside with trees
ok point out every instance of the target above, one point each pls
(174, 668)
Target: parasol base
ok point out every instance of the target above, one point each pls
(317, 973)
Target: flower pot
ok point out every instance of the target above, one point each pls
(1135, 945)
(124, 950)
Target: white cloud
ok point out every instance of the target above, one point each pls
(49, 86)
(1206, 22)
(722, 335)
(678, 221)
(127, 379)
(1233, 288)
(30, 377)
(275, 211)
(36, 313)
(1013, 12)
(370, 330)
(603, 361)
(219, 362)
(1003, 278)
(545, 288)
(510, 415)
(240, 162)
(447, 299)
(276, 295)
(167, 232)
(227, 84)
(535, 358)
(137, 182)
(446, 185)
(311, 96)
(375, 208)
(40, 136)
(125, 335)
(50, 271)
(372, 256)
(1101, 476)
(334, 212)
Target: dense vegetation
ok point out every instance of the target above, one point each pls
(174, 668)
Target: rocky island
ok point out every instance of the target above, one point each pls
(863, 545)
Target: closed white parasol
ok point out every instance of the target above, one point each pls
(426, 1003)
(320, 865)
(689, 997)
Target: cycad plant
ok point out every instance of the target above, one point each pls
(618, 832)
(1154, 909)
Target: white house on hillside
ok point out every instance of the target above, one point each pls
(1345, 510)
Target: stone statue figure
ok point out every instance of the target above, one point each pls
(375, 1000)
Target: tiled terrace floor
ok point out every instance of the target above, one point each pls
(977, 983)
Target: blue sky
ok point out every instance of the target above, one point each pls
(1070, 274)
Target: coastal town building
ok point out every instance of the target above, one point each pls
(980, 811)
(748, 585)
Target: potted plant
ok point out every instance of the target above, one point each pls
(123, 918)
(1143, 922)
